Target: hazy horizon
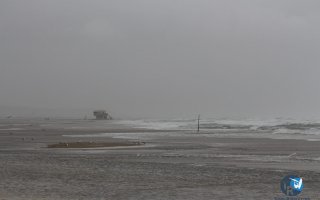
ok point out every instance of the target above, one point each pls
(160, 59)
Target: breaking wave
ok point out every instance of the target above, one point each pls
(274, 126)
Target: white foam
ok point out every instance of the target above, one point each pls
(313, 140)
(284, 131)
(155, 124)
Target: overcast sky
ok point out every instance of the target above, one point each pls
(162, 58)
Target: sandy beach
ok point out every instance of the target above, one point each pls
(167, 165)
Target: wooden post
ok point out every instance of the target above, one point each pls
(198, 123)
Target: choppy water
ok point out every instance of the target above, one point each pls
(278, 128)
(285, 126)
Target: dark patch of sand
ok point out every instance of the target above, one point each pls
(92, 144)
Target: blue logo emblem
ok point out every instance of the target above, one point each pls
(291, 185)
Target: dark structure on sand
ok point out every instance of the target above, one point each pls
(102, 114)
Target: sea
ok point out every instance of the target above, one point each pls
(276, 128)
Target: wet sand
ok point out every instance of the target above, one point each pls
(174, 165)
(92, 144)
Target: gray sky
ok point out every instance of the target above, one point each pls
(162, 58)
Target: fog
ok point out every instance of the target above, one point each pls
(160, 58)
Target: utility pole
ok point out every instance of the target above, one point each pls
(198, 123)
